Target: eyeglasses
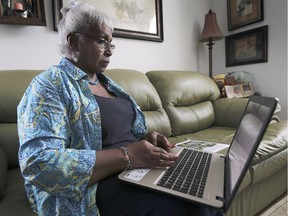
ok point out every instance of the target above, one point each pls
(103, 44)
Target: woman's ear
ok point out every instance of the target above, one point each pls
(72, 41)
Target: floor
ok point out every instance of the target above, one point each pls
(279, 208)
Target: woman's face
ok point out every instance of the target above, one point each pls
(94, 55)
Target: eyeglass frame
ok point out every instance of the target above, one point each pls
(101, 42)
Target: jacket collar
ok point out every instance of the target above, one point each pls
(73, 71)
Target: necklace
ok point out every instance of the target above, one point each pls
(93, 83)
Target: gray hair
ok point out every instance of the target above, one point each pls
(79, 19)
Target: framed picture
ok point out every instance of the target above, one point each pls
(247, 89)
(244, 12)
(141, 19)
(238, 91)
(247, 47)
(28, 13)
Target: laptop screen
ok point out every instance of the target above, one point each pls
(246, 140)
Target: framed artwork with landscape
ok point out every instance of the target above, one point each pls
(244, 12)
(135, 19)
(247, 47)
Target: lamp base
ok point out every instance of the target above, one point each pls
(210, 47)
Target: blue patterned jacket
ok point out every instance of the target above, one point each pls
(59, 130)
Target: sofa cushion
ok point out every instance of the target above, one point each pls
(10, 95)
(143, 92)
(14, 200)
(229, 111)
(212, 134)
(10, 143)
(3, 171)
(187, 99)
(9, 102)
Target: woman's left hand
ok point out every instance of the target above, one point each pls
(158, 140)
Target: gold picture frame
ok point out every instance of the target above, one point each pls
(244, 12)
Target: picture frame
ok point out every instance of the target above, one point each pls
(238, 91)
(248, 47)
(141, 19)
(241, 13)
(247, 89)
(37, 18)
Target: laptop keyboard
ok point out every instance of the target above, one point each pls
(188, 174)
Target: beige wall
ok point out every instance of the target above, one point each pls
(36, 47)
(270, 77)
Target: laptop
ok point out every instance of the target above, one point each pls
(216, 185)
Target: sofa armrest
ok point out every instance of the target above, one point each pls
(275, 118)
(3, 171)
(228, 111)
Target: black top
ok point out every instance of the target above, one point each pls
(117, 118)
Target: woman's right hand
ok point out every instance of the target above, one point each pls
(143, 154)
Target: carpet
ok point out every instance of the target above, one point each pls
(278, 208)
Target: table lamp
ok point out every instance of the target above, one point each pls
(211, 32)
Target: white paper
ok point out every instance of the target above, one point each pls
(206, 146)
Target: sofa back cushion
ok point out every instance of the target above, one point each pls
(3, 171)
(187, 99)
(13, 83)
(138, 86)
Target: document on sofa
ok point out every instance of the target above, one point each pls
(202, 145)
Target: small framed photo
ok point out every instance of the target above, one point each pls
(247, 47)
(238, 91)
(233, 91)
(244, 12)
(247, 90)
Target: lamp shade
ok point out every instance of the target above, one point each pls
(211, 28)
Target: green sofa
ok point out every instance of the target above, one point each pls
(179, 104)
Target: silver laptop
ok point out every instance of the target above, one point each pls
(211, 178)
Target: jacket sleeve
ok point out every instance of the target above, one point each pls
(46, 161)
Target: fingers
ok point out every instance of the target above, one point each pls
(151, 137)
(158, 139)
(162, 163)
(161, 158)
(145, 154)
(163, 142)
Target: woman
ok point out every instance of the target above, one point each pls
(70, 145)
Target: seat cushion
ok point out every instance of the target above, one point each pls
(14, 200)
